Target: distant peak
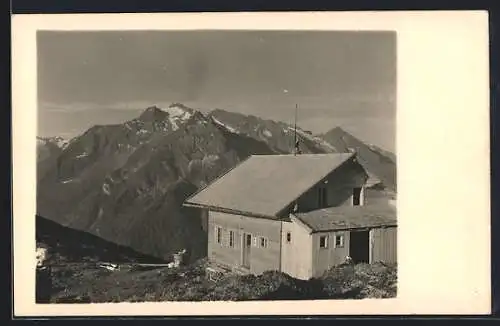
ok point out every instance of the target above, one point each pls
(217, 110)
(180, 106)
(50, 137)
(152, 109)
(338, 129)
(337, 132)
(178, 110)
(56, 140)
(152, 113)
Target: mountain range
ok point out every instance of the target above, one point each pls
(126, 182)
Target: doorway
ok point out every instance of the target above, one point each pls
(247, 245)
(359, 246)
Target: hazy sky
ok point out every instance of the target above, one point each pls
(345, 79)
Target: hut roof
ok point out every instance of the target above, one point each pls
(266, 184)
(349, 217)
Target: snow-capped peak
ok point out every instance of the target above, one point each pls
(171, 118)
(61, 142)
(178, 115)
(57, 141)
(40, 141)
(178, 111)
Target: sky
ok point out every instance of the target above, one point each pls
(337, 78)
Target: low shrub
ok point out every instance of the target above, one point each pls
(190, 283)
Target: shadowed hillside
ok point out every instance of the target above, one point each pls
(66, 245)
(126, 183)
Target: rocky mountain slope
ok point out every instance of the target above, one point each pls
(126, 182)
(48, 148)
(379, 162)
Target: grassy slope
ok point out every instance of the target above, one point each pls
(88, 283)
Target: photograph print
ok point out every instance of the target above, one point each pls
(215, 165)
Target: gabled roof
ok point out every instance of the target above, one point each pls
(266, 184)
(348, 217)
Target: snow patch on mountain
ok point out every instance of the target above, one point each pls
(210, 160)
(176, 111)
(177, 115)
(317, 140)
(82, 155)
(41, 256)
(58, 141)
(125, 147)
(175, 126)
(325, 144)
(106, 189)
(162, 126)
(61, 142)
(379, 150)
(227, 127)
(267, 133)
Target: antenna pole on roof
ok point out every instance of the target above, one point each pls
(295, 140)
(295, 130)
(295, 148)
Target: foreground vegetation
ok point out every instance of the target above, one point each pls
(87, 282)
(70, 271)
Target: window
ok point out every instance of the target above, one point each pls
(255, 242)
(231, 239)
(339, 240)
(248, 240)
(323, 241)
(218, 234)
(288, 237)
(322, 197)
(356, 197)
(263, 242)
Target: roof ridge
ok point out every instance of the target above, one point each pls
(241, 200)
(335, 218)
(359, 207)
(306, 154)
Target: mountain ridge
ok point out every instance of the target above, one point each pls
(126, 182)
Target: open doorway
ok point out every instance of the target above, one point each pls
(359, 246)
